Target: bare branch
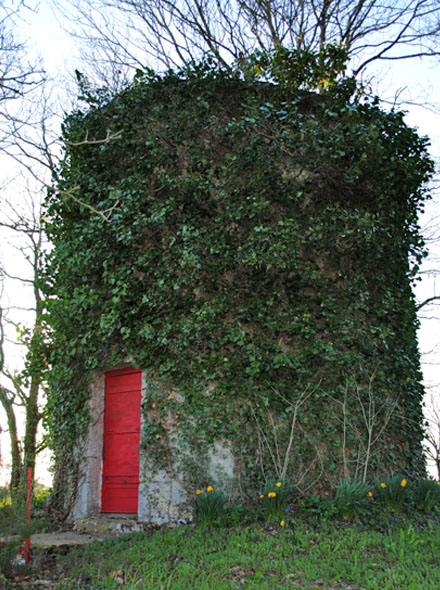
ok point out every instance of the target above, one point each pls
(86, 141)
(132, 33)
(427, 301)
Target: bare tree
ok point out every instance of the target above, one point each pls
(7, 397)
(32, 149)
(127, 34)
(365, 423)
(20, 391)
(18, 75)
(432, 439)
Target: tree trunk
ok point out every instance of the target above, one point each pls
(32, 420)
(17, 465)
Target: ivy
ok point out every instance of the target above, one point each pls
(263, 241)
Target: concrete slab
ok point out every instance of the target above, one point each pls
(68, 538)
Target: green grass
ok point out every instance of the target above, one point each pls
(318, 548)
(258, 557)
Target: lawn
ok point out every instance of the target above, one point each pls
(380, 536)
(255, 556)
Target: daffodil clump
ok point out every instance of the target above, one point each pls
(392, 492)
(427, 494)
(276, 499)
(209, 505)
(352, 498)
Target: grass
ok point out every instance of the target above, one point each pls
(256, 557)
(317, 548)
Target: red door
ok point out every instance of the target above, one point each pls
(122, 419)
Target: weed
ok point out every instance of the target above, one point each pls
(238, 515)
(5, 497)
(13, 523)
(403, 542)
(316, 509)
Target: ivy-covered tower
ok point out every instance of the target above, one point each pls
(248, 243)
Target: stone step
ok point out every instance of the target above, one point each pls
(114, 524)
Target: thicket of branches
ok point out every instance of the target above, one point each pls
(125, 34)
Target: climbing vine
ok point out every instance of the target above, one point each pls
(260, 251)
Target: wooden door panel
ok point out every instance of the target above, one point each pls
(121, 414)
(120, 465)
(120, 383)
(121, 454)
(115, 497)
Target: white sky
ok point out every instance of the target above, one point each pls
(420, 78)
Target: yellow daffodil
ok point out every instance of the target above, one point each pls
(370, 494)
(403, 483)
(383, 485)
(198, 492)
(282, 523)
(278, 484)
(209, 489)
(271, 495)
